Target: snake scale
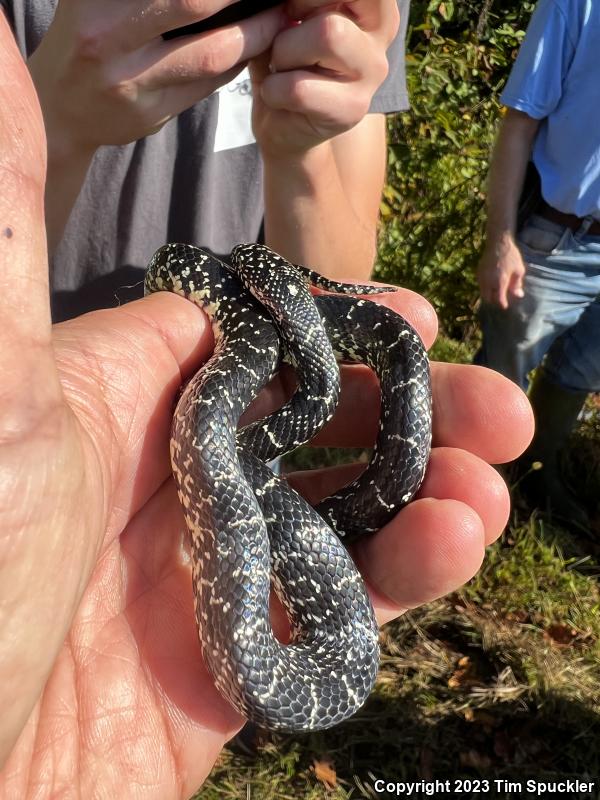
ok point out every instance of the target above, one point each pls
(250, 531)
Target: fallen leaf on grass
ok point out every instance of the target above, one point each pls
(464, 676)
(561, 635)
(325, 773)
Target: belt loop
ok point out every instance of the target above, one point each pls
(586, 224)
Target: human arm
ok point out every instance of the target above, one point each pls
(501, 269)
(324, 155)
(105, 76)
(322, 208)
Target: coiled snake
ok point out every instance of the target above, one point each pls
(249, 529)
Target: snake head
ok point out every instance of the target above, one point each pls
(161, 274)
(182, 269)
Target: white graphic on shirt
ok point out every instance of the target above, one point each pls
(234, 123)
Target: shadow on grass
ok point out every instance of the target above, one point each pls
(462, 694)
(393, 740)
(549, 740)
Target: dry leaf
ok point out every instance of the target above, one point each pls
(325, 772)
(562, 635)
(464, 676)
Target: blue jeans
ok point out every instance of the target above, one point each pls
(557, 322)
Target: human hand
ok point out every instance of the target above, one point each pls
(105, 76)
(437, 542)
(95, 598)
(501, 272)
(130, 668)
(320, 76)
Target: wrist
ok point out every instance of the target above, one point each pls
(66, 154)
(63, 129)
(303, 170)
(500, 240)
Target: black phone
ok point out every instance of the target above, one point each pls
(227, 16)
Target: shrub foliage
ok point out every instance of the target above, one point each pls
(459, 55)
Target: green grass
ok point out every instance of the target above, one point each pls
(458, 352)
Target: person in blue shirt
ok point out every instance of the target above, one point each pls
(540, 284)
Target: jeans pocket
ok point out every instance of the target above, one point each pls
(540, 240)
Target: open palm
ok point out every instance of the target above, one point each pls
(101, 676)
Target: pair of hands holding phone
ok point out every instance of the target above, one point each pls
(106, 75)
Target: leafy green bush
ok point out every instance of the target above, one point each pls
(459, 56)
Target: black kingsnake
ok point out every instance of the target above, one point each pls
(249, 529)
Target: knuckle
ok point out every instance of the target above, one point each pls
(214, 60)
(356, 107)
(331, 30)
(300, 94)
(90, 43)
(121, 91)
(381, 66)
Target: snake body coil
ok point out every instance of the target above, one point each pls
(249, 529)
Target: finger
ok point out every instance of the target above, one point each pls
(130, 419)
(474, 408)
(430, 549)
(210, 55)
(30, 383)
(455, 474)
(375, 16)
(486, 290)
(516, 285)
(480, 411)
(332, 105)
(452, 474)
(501, 296)
(331, 43)
(151, 22)
(180, 91)
(415, 309)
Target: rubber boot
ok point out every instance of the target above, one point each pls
(556, 411)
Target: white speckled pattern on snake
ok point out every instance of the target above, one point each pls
(249, 529)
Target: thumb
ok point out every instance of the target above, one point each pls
(502, 296)
(516, 285)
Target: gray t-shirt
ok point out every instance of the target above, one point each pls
(198, 180)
